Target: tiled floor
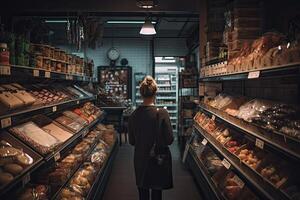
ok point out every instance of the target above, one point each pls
(121, 185)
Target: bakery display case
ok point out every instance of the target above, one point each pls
(116, 81)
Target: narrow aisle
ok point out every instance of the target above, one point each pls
(122, 180)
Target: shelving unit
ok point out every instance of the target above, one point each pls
(273, 143)
(188, 91)
(166, 97)
(15, 71)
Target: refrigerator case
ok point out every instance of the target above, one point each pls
(116, 81)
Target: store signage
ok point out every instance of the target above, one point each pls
(47, 75)
(259, 143)
(253, 75)
(54, 109)
(57, 156)
(26, 179)
(238, 181)
(204, 141)
(226, 164)
(6, 122)
(36, 73)
(5, 70)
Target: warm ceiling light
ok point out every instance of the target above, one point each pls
(148, 28)
(146, 4)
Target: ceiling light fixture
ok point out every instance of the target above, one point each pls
(126, 22)
(146, 4)
(147, 28)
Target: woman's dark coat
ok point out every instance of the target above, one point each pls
(142, 127)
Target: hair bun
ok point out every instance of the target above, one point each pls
(149, 80)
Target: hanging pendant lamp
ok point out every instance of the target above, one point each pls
(147, 28)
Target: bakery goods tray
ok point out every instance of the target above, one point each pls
(20, 168)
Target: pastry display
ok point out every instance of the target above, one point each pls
(13, 161)
(280, 117)
(40, 192)
(36, 137)
(250, 157)
(69, 123)
(59, 133)
(75, 117)
(233, 145)
(8, 101)
(233, 186)
(224, 136)
(271, 173)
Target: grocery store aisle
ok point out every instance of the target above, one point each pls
(122, 180)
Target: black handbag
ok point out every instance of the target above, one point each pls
(158, 154)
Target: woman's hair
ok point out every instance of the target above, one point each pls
(148, 87)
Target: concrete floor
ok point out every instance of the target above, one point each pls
(121, 185)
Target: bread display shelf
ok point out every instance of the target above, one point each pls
(274, 71)
(273, 141)
(98, 187)
(55, 196)
(63, 150)
(17, 116)
(255, 182)
(24, 176)
(199, 167)
(15, 71)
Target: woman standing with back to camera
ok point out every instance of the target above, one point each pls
(150, 132)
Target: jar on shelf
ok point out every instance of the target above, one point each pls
(51, 52)
(64, 67)
(56, 53)
(69, 58)
(20, 59)
(39, 60)
(58, 66)
(62, 56)
(46, 63)
(53, 65)
(4, 54)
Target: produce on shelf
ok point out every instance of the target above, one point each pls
(250, 156)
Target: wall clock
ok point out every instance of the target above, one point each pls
(113, 55)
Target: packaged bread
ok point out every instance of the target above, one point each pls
(70, 123)
(36, 137)
(75, 117)
(59, 133)
(9, 101)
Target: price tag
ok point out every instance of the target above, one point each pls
(5, 70)
(36, 73)
(47, 74)
(213, 117)
(259, 143)
(69, 77)
(204, 141)
(54, 109)
(85, 132)
(77, 102)
(6, 122)
(57, 156)
(238, 181)
(26, 179)
(254, 74)
(226, 163)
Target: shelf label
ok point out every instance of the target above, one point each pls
(204, 141)
(213, 117)
(26, 179)
(77, 102)
(85, 132)
(238, 181)
(47, 74)
(5, 70)
(36, 73)
(253, 75)
(6, 122)
(54, 109)
(226, 163)
(259, 143)
(69, 77)
(57, 156)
